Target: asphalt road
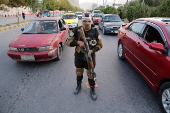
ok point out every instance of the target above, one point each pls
(47, 87)
(7, 20)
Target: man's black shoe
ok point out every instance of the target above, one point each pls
(77, 89)
(93, 93)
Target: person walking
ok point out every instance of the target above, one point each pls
(23, 15)
(95, 44)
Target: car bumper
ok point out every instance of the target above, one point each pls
(35, 56)
(111, 30)
(95, 21)
(79, 17)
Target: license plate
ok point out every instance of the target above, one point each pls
(116, 31)
(27, 57)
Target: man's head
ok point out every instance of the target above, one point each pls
(86, 23)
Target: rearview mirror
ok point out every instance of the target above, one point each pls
(156, 46)
(22, 29)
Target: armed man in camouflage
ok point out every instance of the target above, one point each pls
(95, 44)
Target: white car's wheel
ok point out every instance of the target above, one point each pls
(59, 53)
(164, 97)
(99, 27)
(104, 31)
(120, 51)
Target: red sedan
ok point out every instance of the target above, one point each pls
(41, 40)
(145, 43)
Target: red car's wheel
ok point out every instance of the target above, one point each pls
(164, 97)
(59, 53)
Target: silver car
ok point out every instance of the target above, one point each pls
(110, 23)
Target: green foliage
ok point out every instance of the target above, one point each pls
(109, 10)
(139, 11)
(164, 9)
(4, 1)
(50, 5)
(16, 3)
(134, 2)
(152, 3)
(154, 11)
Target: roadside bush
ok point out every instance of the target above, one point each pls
(164, 9)
(154, 11)
(138, 11)
(109, 10)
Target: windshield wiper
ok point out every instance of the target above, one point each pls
(43, 33)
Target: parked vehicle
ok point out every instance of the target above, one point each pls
(145, 43)
(41, 40)
(71, 19)
(110, 23)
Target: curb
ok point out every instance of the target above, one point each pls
(13, 26)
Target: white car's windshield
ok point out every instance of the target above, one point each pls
(79, 13)
(97, 12)
(41, 27)
(97, 15)
(112, 19)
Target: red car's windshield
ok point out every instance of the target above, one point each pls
(41, 27)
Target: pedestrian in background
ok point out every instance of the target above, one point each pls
(23, 15)
(120, 14)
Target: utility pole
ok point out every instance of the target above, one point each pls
(143, 1)
(103, 2)
(127, 5)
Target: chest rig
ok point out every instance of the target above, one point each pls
(91, 37)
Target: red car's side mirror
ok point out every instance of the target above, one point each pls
(156, 46)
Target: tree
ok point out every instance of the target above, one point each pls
(50, 5)
(109, 10)
(152, 3)
(164, 9)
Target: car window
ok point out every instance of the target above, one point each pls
(97, 15)
(69, 16)
(41, 27)
(168, 28)
(112, 19)
(137, 28)
(153, 35)
(63, 22)
(79, 13)
(96, 11)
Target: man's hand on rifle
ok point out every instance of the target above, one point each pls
(90, 51)
(81, 44)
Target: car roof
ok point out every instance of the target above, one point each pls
(110, 15)
(160, 20)
(48, 18)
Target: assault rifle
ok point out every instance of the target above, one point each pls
(88, 54)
